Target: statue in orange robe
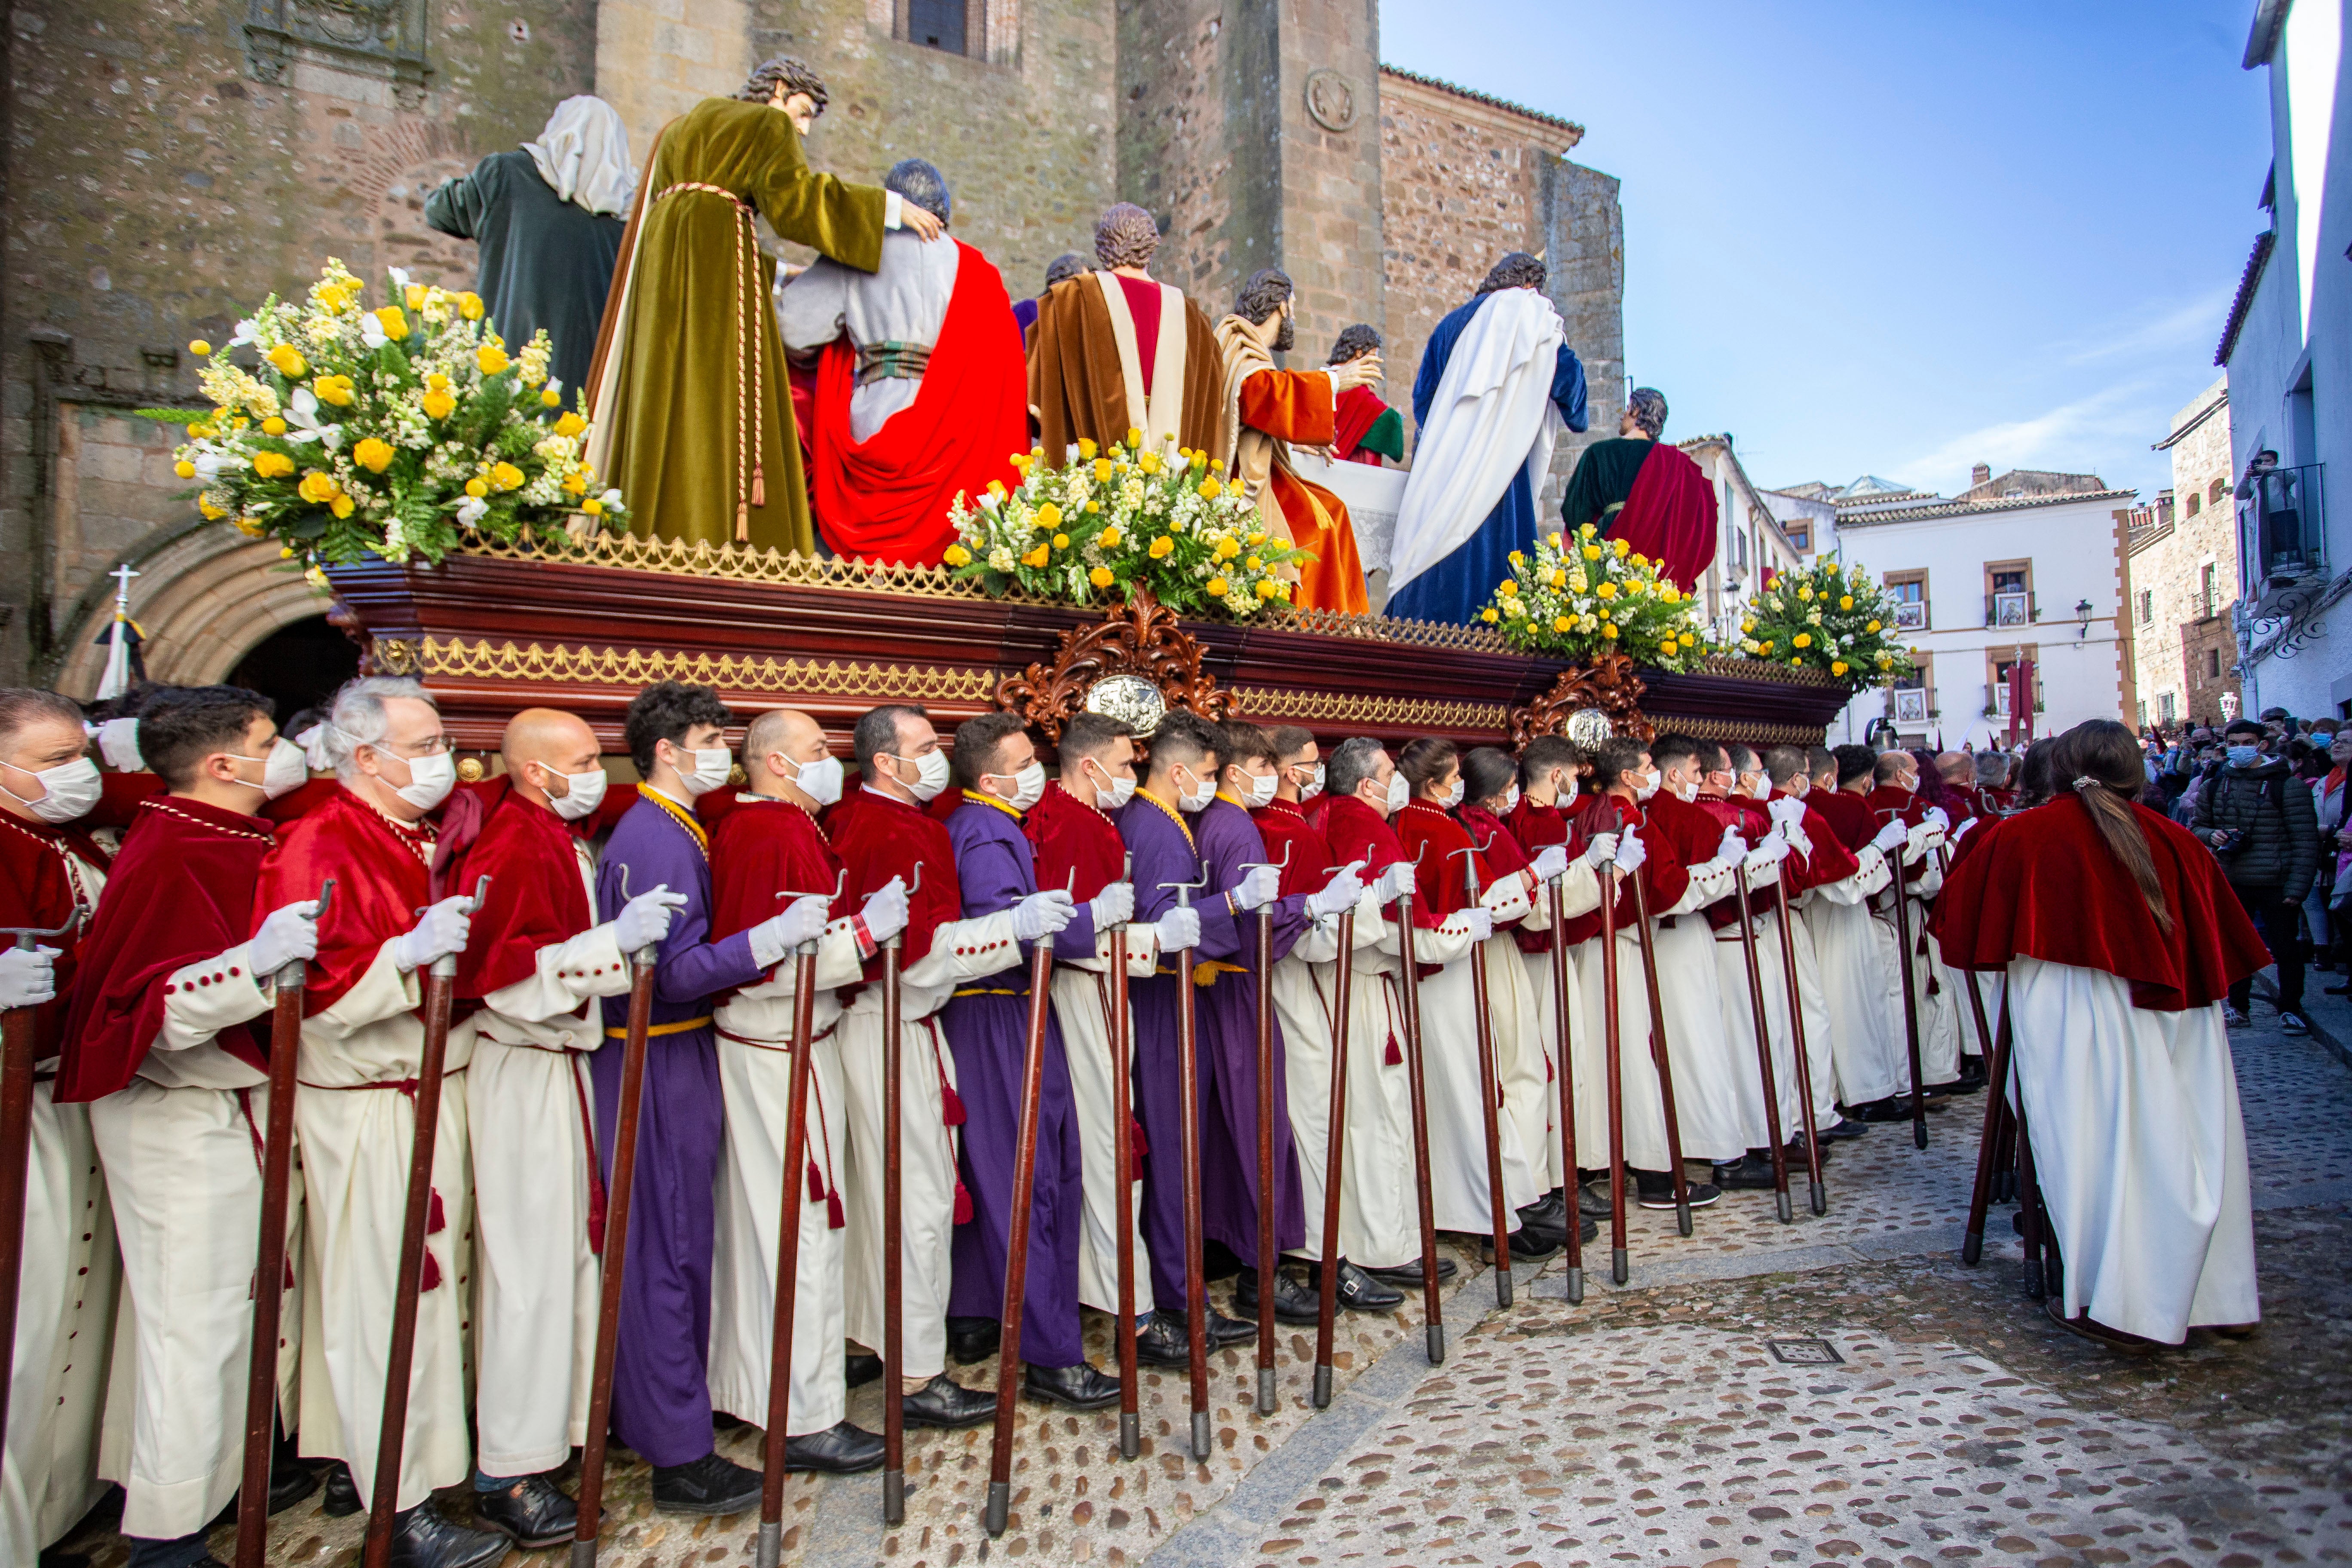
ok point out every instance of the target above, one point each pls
(1265, 410)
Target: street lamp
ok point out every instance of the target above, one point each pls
(2082, 614)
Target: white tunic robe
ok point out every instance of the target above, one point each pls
(2140, 1152)
(1857, 956)
(1530, 1081)
(527, 1102)
(1458, 1126)
(1378, 1160)
(1738, 1020)
(904, 300)
(1082, 1002)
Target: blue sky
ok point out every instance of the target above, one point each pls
(1905, 236)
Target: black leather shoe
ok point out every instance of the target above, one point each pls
(860, 1367)
(1359, 1292)
(1408, 1274)
(709, 1485)
(1894, 1107)
(1699, 1195)
(943, 1402)
(1841, 1129)
(1292, 1302)
(1224, 1331)
(1163, 1342)
(530, 1511)
(422, 1538)
(841, 1449)
(290, 1481)
(1080, 1387)
(1546, 1213)
(1527, 1246)
(972, 1340)
(1592, 1200)
(1754, 1171)
(343, 1499)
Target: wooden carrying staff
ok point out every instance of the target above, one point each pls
(1995, 1119)
(894, 1318)
(1571, 1187)
(383, 1500)
(1820, 1194)
(1265, 1259)
(1497, 1212)
(1016, 1247)
(769, 1544)
(1764, 1049)
(276, 1176)
(1658, 1055)
(1335, 1142)
(1910, 999)
(1122, 1120)
(16, 1047)
(1188, 1097)
(618, 1190)
(1611, 1042)
(1434, 1313)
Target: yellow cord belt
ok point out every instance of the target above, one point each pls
(750, 347)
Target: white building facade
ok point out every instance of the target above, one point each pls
(2288, 347)
(1751, 541)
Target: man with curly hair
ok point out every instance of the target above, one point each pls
(1368, 429)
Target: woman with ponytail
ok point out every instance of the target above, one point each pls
(2119, 938)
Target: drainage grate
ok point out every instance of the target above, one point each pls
(1804, 1353)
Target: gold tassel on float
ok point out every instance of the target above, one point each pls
(759, 483)
(742, 523)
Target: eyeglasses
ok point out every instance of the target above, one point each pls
(431, 746)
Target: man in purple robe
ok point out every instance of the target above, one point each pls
(661, 1392)
(987, 1024)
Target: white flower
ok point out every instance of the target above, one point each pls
(471, 510)
(245, 331)
(399, 276)
(372, 332)
(611, 496)
(988, 502)
(302, 409)
(555, 384)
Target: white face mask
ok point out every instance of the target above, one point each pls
(1113, 792)
(1648, 785)
(1313, 786)
(73, 788)
(1761, 789)
(1453, 798)
(1198, 798)
(582, 794)
(821, 780)
(1028, 785)
(1568, 786)
(711, 766)
(430, 780)
(931, 773)
(1261, 790)
(1511, 801)
(283, 771)
(1399, 793)
(1686, 790)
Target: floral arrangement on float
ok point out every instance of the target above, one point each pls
(1582, 597)
(1111, 520)
(1829, 618)
(398, 431)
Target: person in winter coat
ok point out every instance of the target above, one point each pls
(2258, 819)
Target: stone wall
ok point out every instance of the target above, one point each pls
(2173, 651)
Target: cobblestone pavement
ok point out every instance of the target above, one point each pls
(1656, 1422)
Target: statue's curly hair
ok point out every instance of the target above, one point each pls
(1648, 406)
(792, 75)
(1262, 295)
(1516, 270)
(1126, 236)
(1354, 343)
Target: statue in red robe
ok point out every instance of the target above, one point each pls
(1638, 489)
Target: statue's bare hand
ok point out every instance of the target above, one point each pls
(924, 222)
(1363, 371)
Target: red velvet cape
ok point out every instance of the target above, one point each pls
(759, 849)
(1284, 826)
(887, 499)
(1669, 515)
(380, 884)
(1356, 832)
(536, 901)
(878, 837)
(1439, 885)
(181, 890)
(1355, 412)
(1848, 815)
(1065, 835)
(2046, 886)
(35, 893)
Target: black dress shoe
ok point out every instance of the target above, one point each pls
(1292, 1302)
(972, 1340)
(945, 1403)
(841, 1449)
(290, 1481)
(1359, 1292)
(1754, 1171)
(1593, 1199)
(859, 1368)
(422, 1538)
(1224, 1331)
(1080, 1387)
(1409, 1274)
(1549, 1212)
(343, 1499)
(1894, 1107)
(1527, 1246)
(710, 1485)
(530, 1511)
(1841, 1129)
(1162, 1341)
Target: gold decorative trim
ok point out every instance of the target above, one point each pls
(726, 672)
(1745, 733)
(1347, 708)
(1763, 669)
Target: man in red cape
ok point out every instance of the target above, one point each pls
(921, 385)
(160, 1040)
(1365, 428)
(1639, 489)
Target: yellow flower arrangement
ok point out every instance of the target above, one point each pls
(1576, 598)
(1829, 617)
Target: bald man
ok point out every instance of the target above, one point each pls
(766, 848)
(535, 966)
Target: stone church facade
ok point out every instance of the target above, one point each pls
(169, 165)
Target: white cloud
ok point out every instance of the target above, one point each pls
(2192, 322)
(2105, 420)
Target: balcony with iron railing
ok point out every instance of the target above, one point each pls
(2282, 535)
(1997, 699)
(2012, 607)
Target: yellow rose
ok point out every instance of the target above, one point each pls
(1161, 546)
(1620, 547)
(593, 507)
(1803, 640)
(503, 475)
(1102, 471)
(1101, 577)
(1227, 549)
(1107, 539)
(1134, 436)
(1149, 462)
(1871, 627)
(1517, 559)
(1585, 531)
(212, 514)
(438, 405)
(1669, 594)
(1254, 565)
(1049, 517)
(1837, 667)
(318, 487)
(1885, 660)
(575, 484)
(1606, 591)
(1265, 588)
(1489, 616)
(477, 487)
(1748, 625)
(1508, 589)
(1592, 552)
(1846, 601)
(1209, 489)
(1560, 579)
(1257, 539)
(1061, 541)
(996, 487)
(958, 556)
(1805, 594)
(1216, 588)
(469, 305)
(199, 348)
(1200, 462)
(372, 455)
(490, 359)
(1036, 557)
(414, 295)
(185, 469)
(340, 506)
(334, 389)
(1764, 647)
(1562, 623)
(288, 361)
(1609, 629)
(250, 527)
(1087, 449)
(394, 321)
(570, 423)
(272, 464)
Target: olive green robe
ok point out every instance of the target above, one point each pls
(668, 386)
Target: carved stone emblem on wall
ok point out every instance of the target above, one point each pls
(382, 38)
(1331, 99)
(1138, 653)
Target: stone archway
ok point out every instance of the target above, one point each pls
(202, 597)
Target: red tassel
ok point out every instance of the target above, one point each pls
(833, 1218)
(815, 1183)
(434, 1222)
(964, 1203)
(596, 1217)
(951, 1110)
(432, 1276)
(1395, 1057)
(289, 1271)
(1141, 1144)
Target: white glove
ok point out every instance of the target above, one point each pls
(117, 742)
(1892, 836)
(1339, 895)
(1393, 883)
(1177, 929)
(1602, 850)
(644, 921)
(1935, 816)
(1114, 906)
(1477, 922)
(1786, 809)
(1770, 852)
(442, 931)
(1043, 914)
(803, 921)
(289, 934)
(1733, 849)
(885, 913)
(1962, 831)
(1631, 851)
(1259, 885)
(1551, 862)
(1793, 831)
(27, 976)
